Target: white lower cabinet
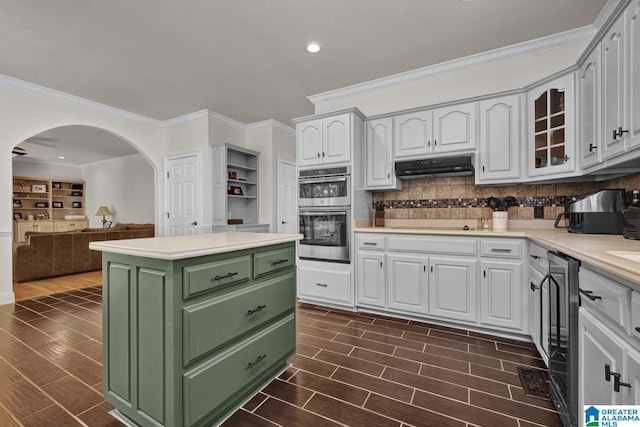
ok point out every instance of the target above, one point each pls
(501, 294)
(407, 283)
(452, 288)
(371, 278)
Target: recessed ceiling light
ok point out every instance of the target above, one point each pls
(313, 47)
(61, 157)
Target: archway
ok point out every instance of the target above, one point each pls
(108, 169)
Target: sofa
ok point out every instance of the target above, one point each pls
(56, 254)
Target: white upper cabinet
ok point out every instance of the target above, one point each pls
(324, 141)
(454, 128)
(499, 149)
(442, 130)
(614, 129)
(379, 153)
(633, 76)
(413, 133)
(550, 128)
(588, 110)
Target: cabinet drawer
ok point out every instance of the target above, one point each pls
(371, 241)
(635, 314)
(614, 301)
(331, 286)
(501, 248)
(223, 378)
(204, 277)
(538, 258)
(210, 324)
(266, 262)
(439, 244)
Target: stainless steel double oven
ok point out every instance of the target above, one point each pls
(324, 211)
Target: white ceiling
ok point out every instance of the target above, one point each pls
(246, 58)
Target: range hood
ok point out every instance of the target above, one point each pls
(434, 168)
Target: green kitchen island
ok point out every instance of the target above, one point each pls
(195, 325)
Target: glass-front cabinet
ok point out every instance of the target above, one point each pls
(551, 126)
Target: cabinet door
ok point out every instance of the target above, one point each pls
(412, 134)
(551, 121)
(336, 139)
(407, 283)
(454, 128)
(309, 143)
(535, 307)
(631, 395)
(499, 153)
(588, 112)
(452, 288)
(501, 294)
(633, 73)
(613, 90)
(44, 227)
(371, 278)
(379, 149)
(596, 351)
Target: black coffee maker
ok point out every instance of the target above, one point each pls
(598, 212)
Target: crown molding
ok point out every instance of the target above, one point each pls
(607, 12)
(501, 54)
(185, 118)
(275, 124)
(221, 118)
(32, 88)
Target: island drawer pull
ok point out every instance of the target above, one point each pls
(589, 294)
(279, 261)
(255, 362)
(224, 276)
(255, 310)
(500, 250)
(324, 285)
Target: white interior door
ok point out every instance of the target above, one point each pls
(287, 198)
(183, 203)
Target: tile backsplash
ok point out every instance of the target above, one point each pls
(460, 198)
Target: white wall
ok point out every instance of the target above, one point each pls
(125, 185)
(46, 170)
(483, 79)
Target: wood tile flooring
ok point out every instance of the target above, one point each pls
(350, 370)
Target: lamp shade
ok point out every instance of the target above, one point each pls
(103, 210)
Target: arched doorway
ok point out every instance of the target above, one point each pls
(108, 170)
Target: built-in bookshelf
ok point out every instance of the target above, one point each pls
(43, 199)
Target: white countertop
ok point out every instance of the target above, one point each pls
(181, 247)
(590, 248)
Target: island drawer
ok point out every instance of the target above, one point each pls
(217, 381)
(607, 296)
(501, 248)
(371, 241)
(203, 277)
(433, 244)
(210, 324)
(267, 262)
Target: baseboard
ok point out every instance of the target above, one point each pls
(7, 298)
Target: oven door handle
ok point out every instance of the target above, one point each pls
(557, 348)
(322, 180)
(323, 213)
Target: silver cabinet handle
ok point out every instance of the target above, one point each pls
(255, 310)
(280, 261)
(502, 250)
(224, 276)
(255, 362)
(370, 243)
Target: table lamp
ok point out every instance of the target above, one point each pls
(104, 211)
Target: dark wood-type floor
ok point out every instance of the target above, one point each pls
(354, 370)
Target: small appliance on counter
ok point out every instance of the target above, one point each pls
(598, 212)
(631, 218)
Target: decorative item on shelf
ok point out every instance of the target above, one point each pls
(41, 204)
(76, 193)
(104, 211)
(234, 221)
(76, 205)
(17, 215)
(39, 188)
(30, 217)
(57, 205)
(56, 185)
(76, 186)
(43, 216)
(17, 204)
(233, 175)
(235, 191)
